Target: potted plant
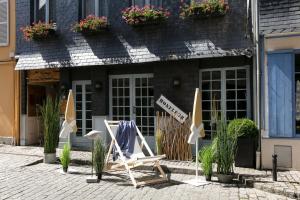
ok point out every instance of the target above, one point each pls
(91, 25)
(247, 136)
(225, 146)
(206, 157)
(50, 112)
(99, 157)
(206, 9)
(39, 31)
(65, 157)
(137, 16)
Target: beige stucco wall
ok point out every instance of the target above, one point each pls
(268, 150)
(282, 42)
(277, 43)
(9, 84)
(6, 100)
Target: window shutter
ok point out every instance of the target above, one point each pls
(4, 32)
(281, 90)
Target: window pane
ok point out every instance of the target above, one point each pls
(52, 10)
(40, 10)
(89, 8)
(297, 93)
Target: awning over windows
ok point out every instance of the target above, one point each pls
(117, 50)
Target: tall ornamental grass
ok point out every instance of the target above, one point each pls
(50, 112)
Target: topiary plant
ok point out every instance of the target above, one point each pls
(243, 128)
(65, 157)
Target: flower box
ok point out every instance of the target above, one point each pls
(39, 31)
(206, 9)
(137, 16)
(91, 25)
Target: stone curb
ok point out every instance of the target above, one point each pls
(286, 192)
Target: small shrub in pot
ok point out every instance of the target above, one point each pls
(99, 158)
(50, 112)
(206, 157)
(65, 157)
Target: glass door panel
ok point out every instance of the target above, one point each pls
(224, 90)
(132, 98)
(83, 106)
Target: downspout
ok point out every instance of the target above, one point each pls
(258, 77)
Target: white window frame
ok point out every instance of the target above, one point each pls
(147, 2)
(47, 11)
(83, 119)
(223, 86)
(132, 95)
(7, 23)
(97, 9)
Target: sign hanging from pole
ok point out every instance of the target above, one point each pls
(170, 108)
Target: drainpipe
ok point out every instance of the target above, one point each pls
(258, 77)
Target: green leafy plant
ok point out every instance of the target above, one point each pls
(158, 140)
(225, 148)
(99, 157)
(243, 128)
(65, 157)
(146, 15)
(206, 9)
(38, 31)
(50, 112)
(206, 157)
(91, 25)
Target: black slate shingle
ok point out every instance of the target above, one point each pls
(279, 16)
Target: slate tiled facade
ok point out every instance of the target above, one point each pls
(177, 49)
(279, 16)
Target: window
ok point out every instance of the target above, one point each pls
(83, 104)
(93, 7)
(4, 18)
(44, 10)
(226, 91)
(142, 3)
(297, 94)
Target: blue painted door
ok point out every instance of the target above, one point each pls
(281, 94)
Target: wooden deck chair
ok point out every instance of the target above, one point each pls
(138, 158)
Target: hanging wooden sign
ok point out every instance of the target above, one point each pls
(43, 76)
(170, 108)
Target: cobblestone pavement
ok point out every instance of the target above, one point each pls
(39, 152)
(42, 181)
(288, 184)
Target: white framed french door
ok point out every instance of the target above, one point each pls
(131, 97)
(83, 104)
(226, 90)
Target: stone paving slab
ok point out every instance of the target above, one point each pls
(44, 181)
(288, 182)
(82, 156)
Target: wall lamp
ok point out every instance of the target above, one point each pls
(176, 82)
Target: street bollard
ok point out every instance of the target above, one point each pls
(274, 169)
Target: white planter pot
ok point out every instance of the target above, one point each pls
(49, 158)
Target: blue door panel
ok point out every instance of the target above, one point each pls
(281, 92)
